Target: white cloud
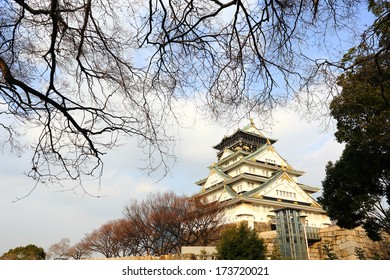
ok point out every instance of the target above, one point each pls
(306, 146)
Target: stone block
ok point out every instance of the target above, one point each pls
(350, 238)
(343, 253)
(349, 244)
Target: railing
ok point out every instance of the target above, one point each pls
(313, 233)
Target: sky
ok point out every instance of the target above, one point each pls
(47, 215)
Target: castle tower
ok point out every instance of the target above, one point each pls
(254, 181)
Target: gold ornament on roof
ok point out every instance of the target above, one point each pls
(252, 122)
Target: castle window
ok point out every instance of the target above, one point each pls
(270, 161)
(252, 170)
(286, 194)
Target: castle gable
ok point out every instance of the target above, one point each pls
(215, 177)
(281, 187)
(269, 155)
(226, 153)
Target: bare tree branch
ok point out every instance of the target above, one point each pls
(88, 73)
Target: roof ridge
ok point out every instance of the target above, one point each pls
(274, 177)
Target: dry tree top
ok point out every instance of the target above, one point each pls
(82, 74)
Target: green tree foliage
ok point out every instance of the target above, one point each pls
(240, 243)
(29, 252)
(359, 253)
(357, 186)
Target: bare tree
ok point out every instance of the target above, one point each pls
(156, 221)
(103, 240)
(165, 222)
(203, 222)
(60, 249)
(79, 250)
(85, 72)
(127, 237)
(67, 69)
(63, 249)
(117, 238)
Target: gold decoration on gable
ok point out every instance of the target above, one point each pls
(252, 122)
(286, 177)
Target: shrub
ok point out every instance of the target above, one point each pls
(240, 243)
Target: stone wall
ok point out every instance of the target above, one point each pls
(337, 243)
(270, 241)
(261, 227)
(349, 244)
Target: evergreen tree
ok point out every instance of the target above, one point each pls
(240, 243)
(29, 252)
(356, 190)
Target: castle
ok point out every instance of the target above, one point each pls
(259, 187)
(254, 181)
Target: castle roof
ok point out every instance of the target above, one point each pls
(248, 136)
